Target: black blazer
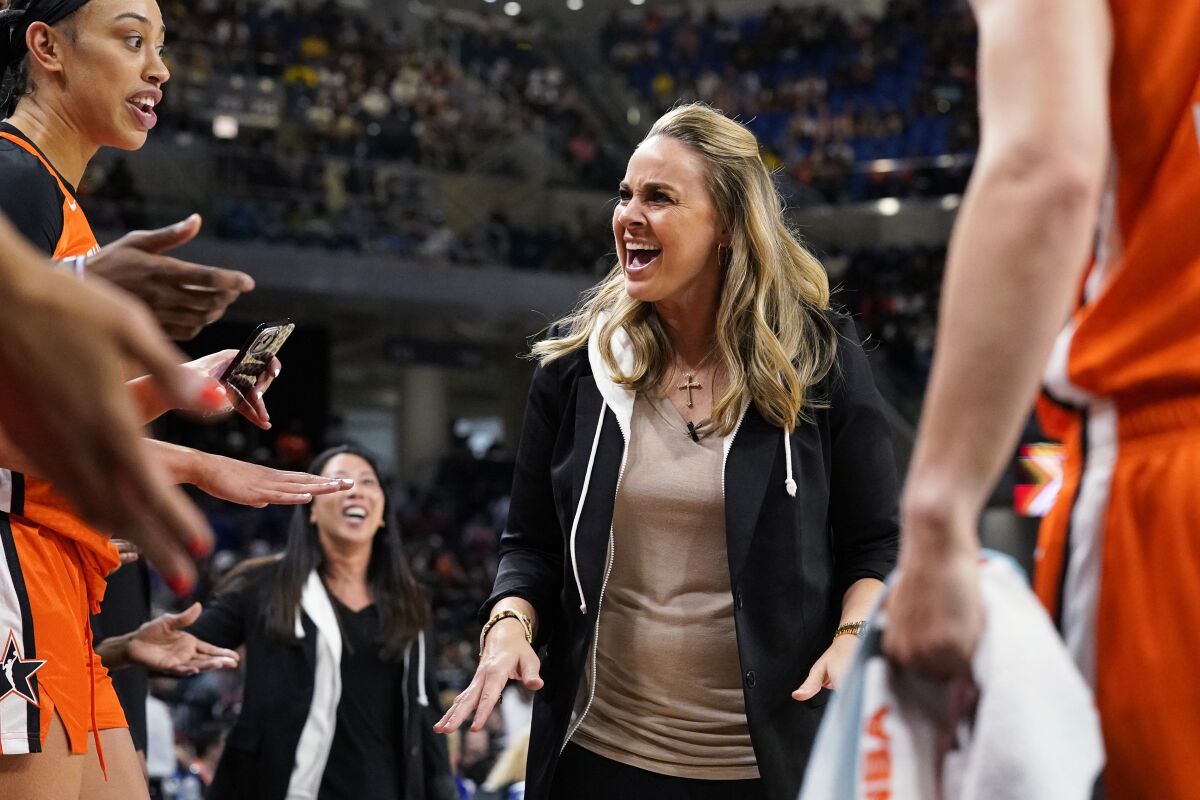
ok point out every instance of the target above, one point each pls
(791, 559)
(261, 748)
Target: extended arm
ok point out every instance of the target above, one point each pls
(1021, 242)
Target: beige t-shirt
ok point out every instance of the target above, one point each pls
(668, 680)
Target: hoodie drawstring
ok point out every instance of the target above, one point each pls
(587, 479)
(790, 483)
(422, 697)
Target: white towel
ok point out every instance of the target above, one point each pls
(1034, 735)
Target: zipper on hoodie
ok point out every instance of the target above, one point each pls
(729, 447)
(599, 605)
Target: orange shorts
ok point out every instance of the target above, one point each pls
(50, 584)
(1119, 569)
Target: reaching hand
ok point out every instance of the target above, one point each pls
(162, 644)
(184, 297)
(935, 614)
(64, 405)
(827, 672)
(212, 367)
(506, 656)
(253, 409)
(258, 486)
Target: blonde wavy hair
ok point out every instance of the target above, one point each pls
(775, 340)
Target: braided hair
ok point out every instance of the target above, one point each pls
(15, 18)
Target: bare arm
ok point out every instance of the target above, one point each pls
(1016, 256)
(1020, 244)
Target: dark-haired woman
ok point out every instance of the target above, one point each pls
(339, 696)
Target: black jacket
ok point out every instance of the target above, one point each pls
(283, 689)
(791, 559)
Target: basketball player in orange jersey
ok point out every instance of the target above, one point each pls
(1085, 194)
(88, 74)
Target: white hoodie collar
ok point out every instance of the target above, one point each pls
(619, 398)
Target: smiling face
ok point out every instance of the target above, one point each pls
(114, 72)
(666, 226)
(352, 516)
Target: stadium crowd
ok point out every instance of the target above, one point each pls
(827, 93)
(346, 124)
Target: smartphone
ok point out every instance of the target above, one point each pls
(255, 357)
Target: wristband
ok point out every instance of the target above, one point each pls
(508, 613)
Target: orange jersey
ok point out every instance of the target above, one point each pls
(1135, 338)
(75, 236)
(1119, 551)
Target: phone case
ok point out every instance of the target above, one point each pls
(243, 374)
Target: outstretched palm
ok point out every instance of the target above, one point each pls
(162, 644)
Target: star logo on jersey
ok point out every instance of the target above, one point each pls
(16, 671)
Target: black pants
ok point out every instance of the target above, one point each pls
(583, 775)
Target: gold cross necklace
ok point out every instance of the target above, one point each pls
(691, 382)
(688, 385)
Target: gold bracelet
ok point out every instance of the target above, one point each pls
(851, 628)
(508, 613)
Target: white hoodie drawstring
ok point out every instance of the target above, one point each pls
(790, 483)
(587, 479)
(422, 697)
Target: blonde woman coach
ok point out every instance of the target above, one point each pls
(705, 496)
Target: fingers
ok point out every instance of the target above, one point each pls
(461, 708)
(254, 409)
(273, 498)
(256, 401)
(156, 241)
(296, 493)
(198, 665)
(489, 696)
(127, 550)
(528, 671)
(167, 525)
(211, 279)
(161, 548)
(184, 618)
(327, 487)
(218, 654)
(812, 684)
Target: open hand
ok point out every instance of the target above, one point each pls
(506, 656)
(258, 486)
(253, 408)
(162, 644)
(183, 297)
